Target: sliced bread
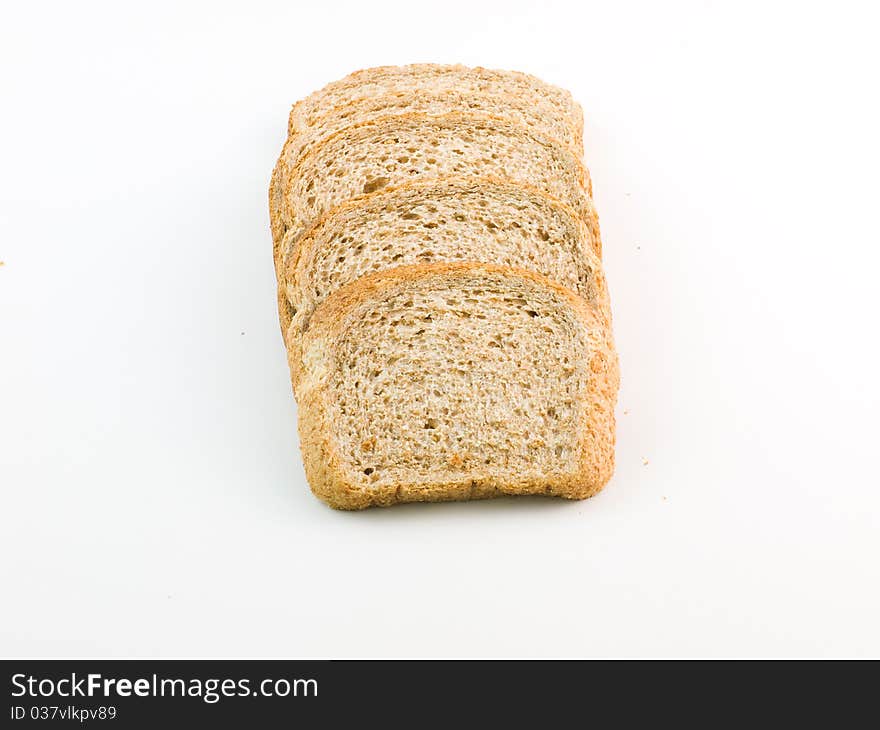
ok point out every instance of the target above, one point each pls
(484, 220)
(364, 109)
(436, 104)
(455, 381)
(368, 108)
(416, 79)
(392, 150)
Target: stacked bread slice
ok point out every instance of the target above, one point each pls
(440, 289)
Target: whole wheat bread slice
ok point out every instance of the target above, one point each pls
(365, 109)
(392, 150)
(485, 220)
(455, 381)
(416, 79)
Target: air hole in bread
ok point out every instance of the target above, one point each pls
(375, 184)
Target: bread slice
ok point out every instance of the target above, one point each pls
(392, 150)
(551, 102)
(455, 381)
(484, 220)
(436, 104)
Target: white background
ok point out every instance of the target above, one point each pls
(153, 497)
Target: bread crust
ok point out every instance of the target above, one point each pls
(277, 225)
(322, 461)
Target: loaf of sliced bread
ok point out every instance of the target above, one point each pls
(455, 381)
(555, 104)
(392, 150)
(482, 220)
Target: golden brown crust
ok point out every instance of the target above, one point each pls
(285, 313)
(276, 222)
(323, 464)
